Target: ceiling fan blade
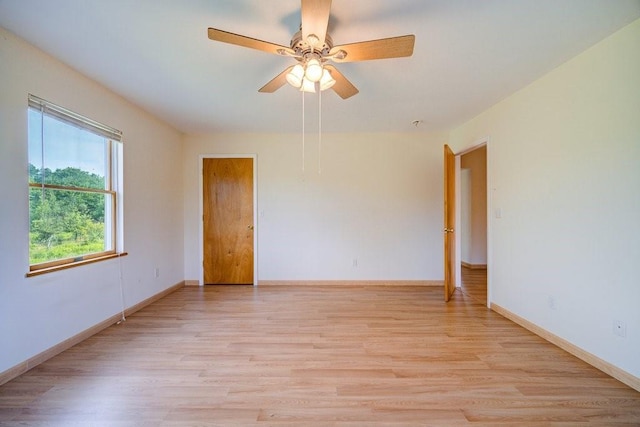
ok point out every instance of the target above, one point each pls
(393, 47)
(276, 83)
(244, 41)
(315, 19)
(343, 87)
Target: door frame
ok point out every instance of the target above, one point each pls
(486, 141)
(201, 210)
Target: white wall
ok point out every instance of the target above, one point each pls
(378, 199)
(564, 169)
(39, 312)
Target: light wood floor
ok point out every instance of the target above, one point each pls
(341, 356)
(474, 284)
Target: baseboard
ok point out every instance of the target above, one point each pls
(473, 266)
(142, 304)
(192, 283)
(606, 367)
(350, 283)
(39, 358)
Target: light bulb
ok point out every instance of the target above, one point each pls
(294, 77)
(313, 71)
(327, 80)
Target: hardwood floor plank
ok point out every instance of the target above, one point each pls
(327, 356)
(474, 284)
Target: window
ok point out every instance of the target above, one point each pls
(74, 194)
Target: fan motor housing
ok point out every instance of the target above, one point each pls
(303, 48)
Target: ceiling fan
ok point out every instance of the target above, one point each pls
(313, 49)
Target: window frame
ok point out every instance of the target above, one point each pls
(112, 187)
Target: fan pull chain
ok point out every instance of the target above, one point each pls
(303, 152)
(319, 129)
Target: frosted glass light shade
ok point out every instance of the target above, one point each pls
(295, 76)
(308, 86)
(313, 71)
(327, 80)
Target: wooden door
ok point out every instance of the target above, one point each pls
(449, 223)
(228, 220)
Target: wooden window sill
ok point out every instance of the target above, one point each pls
(74, 264)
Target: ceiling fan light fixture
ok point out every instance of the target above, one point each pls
(308, 86)
(295, 76)
(313, 70)
(327, 81)
(312, 47)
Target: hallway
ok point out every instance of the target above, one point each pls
(474, 284)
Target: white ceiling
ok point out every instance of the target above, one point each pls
(469, 54)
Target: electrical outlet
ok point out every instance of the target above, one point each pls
(619, 328)
(156, 272)
(355, 262)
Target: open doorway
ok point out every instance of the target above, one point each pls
(473, 223)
